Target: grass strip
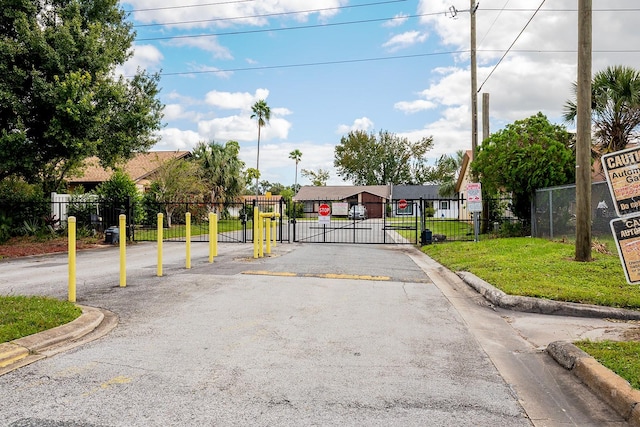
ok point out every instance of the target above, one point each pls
(21, 316)
(623, 358)
(542, 269)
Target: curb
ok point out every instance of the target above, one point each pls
(606, 384)
(544, 306)
(602, 381)
(22, 351)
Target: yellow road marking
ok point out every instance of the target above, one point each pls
(318, 275)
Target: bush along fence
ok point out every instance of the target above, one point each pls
(398, 221)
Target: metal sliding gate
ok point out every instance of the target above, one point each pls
(380, 225)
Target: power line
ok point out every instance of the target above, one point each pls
(313, 64)
(385, 58)
(268, 15)
(267, 30)
(514, 42)
(150, 9)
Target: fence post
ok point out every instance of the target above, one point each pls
(71, 230)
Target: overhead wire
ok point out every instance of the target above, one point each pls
(266, 15)
(299, 27)
(511, 46)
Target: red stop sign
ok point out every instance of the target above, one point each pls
(324, 210)
(402, 204)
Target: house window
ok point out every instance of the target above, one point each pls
(308, 207)
(408, 210)
(444, 205)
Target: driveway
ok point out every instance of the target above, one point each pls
(356, 335)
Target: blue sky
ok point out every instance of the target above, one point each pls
(326, 67)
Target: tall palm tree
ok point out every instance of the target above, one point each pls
(296, 155)
(615, 106)
(262, 113)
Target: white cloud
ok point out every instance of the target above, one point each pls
(176, 139)
(235, 100)
(207, 44)
(397, 20)
(363, 123)
(416, 106)
(404, 40)
(145, 57)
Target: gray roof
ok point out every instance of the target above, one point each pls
(339, 192)
(413, 192)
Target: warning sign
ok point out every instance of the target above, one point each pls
(627, 235)
(474, 197)
(622, 169)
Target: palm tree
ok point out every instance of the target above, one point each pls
(615, 105)
(296, 155)
(262, 113)
(446, 173)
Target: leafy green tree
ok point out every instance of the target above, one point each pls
(615, 106)
(175, 182)
(221, 170)
(118, 188)
(296, 155)
(59, 101)
(524, 156)
(318, 178)
(262, 114)
(366, 159)
(252, 174)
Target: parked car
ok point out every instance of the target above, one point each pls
(357, 212)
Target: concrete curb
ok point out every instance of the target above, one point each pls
(543, 306)
(607, 385)
(23, 351)
(611, 388)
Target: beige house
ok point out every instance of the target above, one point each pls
(371, 196)
(140, 169)
(461, 186)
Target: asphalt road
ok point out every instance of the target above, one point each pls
(315, 335)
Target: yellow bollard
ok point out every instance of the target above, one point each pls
(274, 230)
(261, 237)
(267, 228)
(211, 234)
(123, 250)
(71, 230)
(256, 219)
(188, 237)
(215, 234)
(160, 229)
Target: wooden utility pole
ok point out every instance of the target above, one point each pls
(485, 116)
(474, 82)
(583, 133)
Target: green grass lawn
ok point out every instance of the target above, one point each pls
(546, 269)
(623, 358)
(541, 268)
(180, 230)
(21, 316)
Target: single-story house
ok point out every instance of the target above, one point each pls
(140, 169)
(373, 197)
(444, 207)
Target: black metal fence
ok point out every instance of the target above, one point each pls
(403, 221)
(396, 222)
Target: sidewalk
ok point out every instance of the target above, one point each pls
(602, 381)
